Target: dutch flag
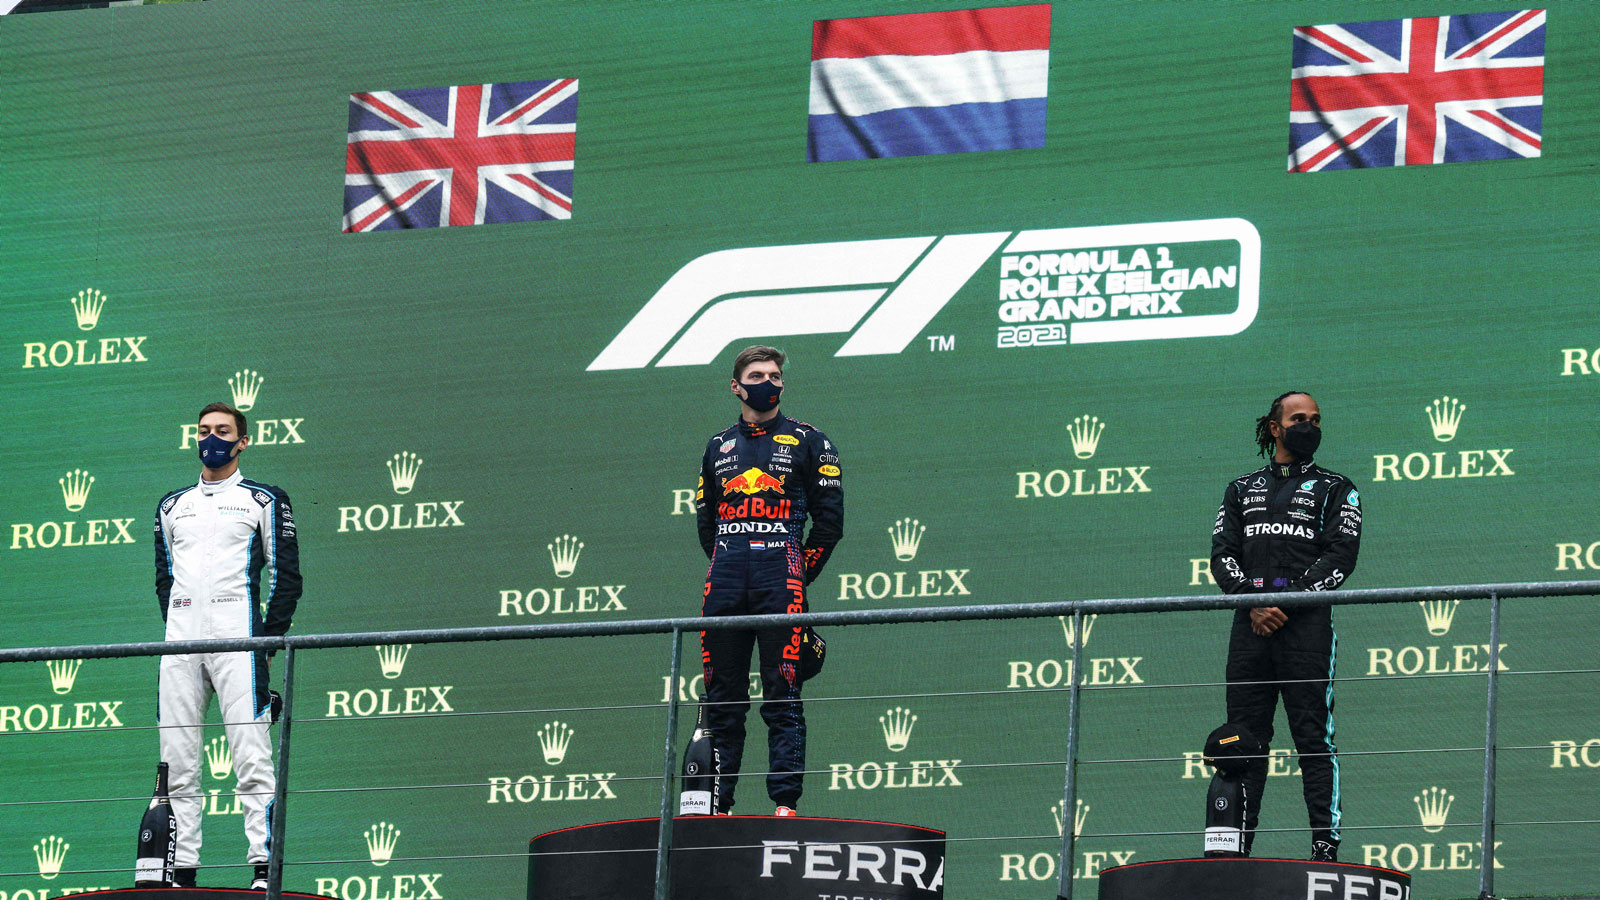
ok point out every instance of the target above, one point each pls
(923, 83)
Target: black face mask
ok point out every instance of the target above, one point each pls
(1302, 440)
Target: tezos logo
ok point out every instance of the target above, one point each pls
(75, 487)
(1433, 659)
(390, 701)
(1444, 417)
(1049, 673)
(1433, 808)
(86, 309)
(565, 599)
(905, 538)
(245, 385)
(381, 840)
(555, 738)
(1084, 433)
(1041, 866)
(403, 468)
(1047, 279)
(896, 725)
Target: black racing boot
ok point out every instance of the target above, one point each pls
(183, 878)
(259, 881)
(1323, 851)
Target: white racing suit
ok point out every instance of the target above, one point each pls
(214, 543)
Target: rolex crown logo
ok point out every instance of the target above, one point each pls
(1439, 614)
(51, 853)
(392, 659)
(1444, 414)
(1433, 804)
(219, 758)
(245, 384)
(897, 724)
(75, 488)
(906, 535)
(554, 739)
(1085, 432)
(403, 471)
(63, 672)
(1067, 629)
(381, 839)
(86, 306)
(564, 554)
(1080, 813)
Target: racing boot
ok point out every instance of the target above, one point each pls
(1323, 851)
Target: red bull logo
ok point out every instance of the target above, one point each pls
(753, 481)
(753, 508)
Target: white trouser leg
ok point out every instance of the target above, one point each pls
(181, 701)
(249, 739)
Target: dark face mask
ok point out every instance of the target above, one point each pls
(761, 397)
(215, 452)
(1302, 440)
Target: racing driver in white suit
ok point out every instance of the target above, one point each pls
(219, 543)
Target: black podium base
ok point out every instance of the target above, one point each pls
(1252, 879)
(189, 894)
(740, 857)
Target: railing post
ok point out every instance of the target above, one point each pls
(1490, 738)
(664, 835)
(278, 807)
(1069, 793)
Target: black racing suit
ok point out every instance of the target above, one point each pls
(757, 485)
(1287, 527)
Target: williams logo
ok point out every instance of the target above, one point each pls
(555, 739)
(896, 725)
(1444, 419)
(1083, 433)
(75, 486)
(403, 468)
(50, 854)
(86, 309)
(566, 599)
(1050, 673)
(1433, 659)
(390, 701)
(1120, 282)
(245, 386)
(905, 539)
(1432, 807)
(1041, 866)
(381, 840)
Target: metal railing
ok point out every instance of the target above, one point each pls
(291, 645)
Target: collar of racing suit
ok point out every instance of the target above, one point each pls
(757, 429)
(210, 487)
(1291, 470)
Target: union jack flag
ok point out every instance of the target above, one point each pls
(1406, 92)
(463, 155)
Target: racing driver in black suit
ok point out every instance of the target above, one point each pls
(759, 481)
(1288, 526)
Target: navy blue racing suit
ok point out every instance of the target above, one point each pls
(758, 483)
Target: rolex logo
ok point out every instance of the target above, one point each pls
(1444, 414)
(245, 385)
(219, 758)
(1080, 813)
(1433, 805)
(86, 306)
(554, 739)
(63, 672)
(906, 535)
(403, 471)
(1085, 432)
(897, 724)
(564, 554)
(51, 853)
(1067, 629)
(392, 659)
(75, 488)
(381, 839)
(1439, 614)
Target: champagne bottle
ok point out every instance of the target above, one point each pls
(696, 799)
(1225, 816)
(158, 838)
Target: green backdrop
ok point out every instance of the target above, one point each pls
(185, 163)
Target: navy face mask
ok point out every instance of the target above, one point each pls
(761, 397)
(215, 451)
(1302, 440)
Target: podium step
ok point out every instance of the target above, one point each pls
(1252, 879)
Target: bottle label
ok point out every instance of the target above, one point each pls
(150, 868)
(694, 803)
(1224, 839)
